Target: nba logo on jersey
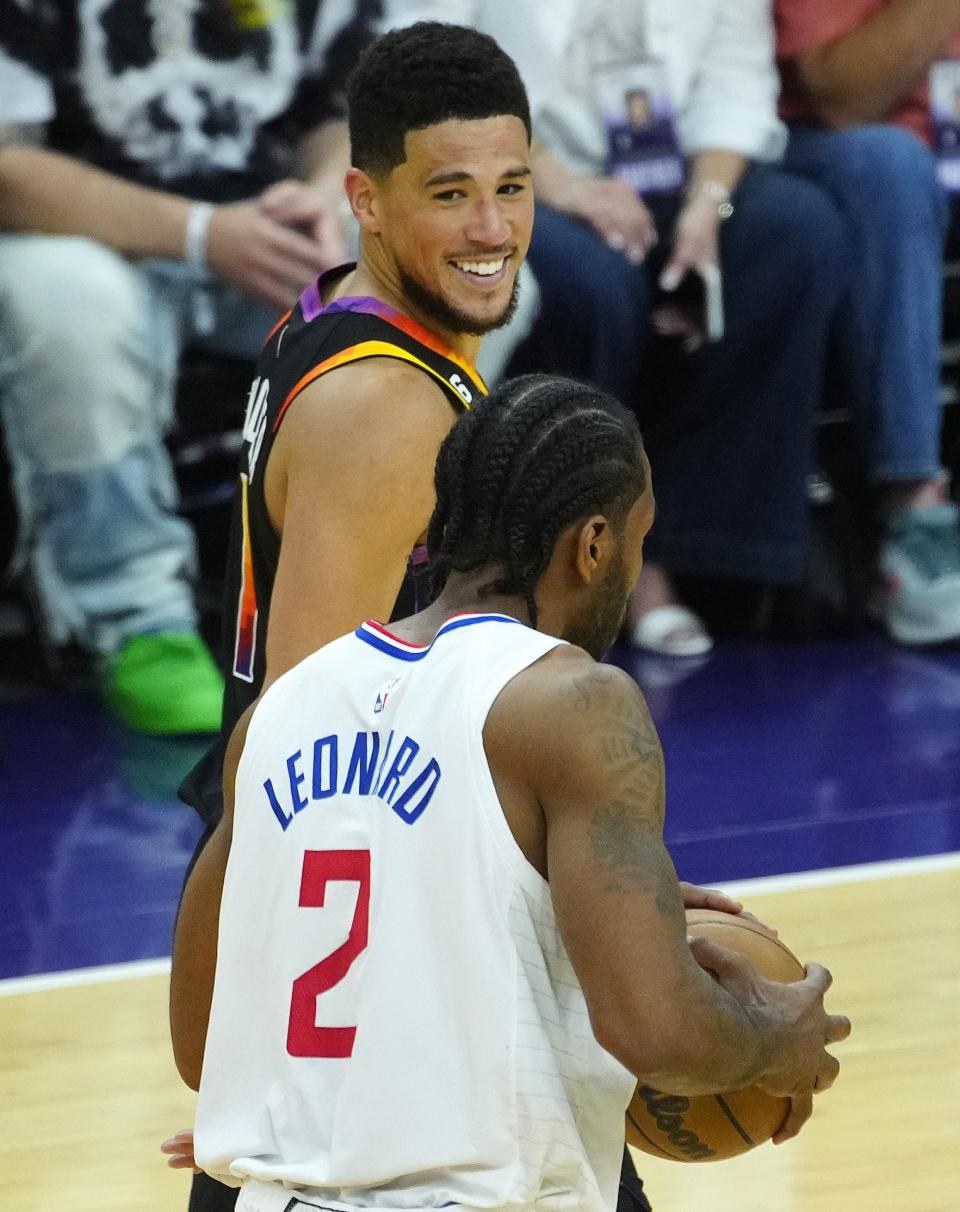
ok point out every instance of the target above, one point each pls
(384, 695)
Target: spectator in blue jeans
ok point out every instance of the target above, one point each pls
(730, 432)
(169, 179)
(856, 98)
(730, 435)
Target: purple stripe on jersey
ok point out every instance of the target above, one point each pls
(362, 303)
(310, 302)
(312, 305)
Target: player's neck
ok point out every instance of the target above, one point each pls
(461, 596)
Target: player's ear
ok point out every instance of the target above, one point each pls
(594, 547)
(362, 194)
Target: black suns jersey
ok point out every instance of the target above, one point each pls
(311, 340)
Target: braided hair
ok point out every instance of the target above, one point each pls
(427, 73)
(525, 463)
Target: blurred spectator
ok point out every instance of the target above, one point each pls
(170, 178)
(697, 130)
(855, 94)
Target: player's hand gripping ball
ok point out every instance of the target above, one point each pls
(711, 1127)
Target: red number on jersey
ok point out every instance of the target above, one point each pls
(320, 867)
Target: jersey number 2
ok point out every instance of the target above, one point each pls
(321, 867)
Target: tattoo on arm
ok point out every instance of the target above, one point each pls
(634, 859)
(625, 830)
(625, 739)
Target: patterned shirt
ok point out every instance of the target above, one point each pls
(199, 97)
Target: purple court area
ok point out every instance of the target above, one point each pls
(779, 759)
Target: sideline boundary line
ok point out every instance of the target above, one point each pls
(857, 874)
(72, 978)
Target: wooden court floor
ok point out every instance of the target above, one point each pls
(88, 1089)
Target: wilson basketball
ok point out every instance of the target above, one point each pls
(711, 1127)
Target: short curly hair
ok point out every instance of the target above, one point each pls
(424, 74)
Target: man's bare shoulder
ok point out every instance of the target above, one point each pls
(385, 393)
(363, 438)
(562, 700)
(573, 681)
(578, 736)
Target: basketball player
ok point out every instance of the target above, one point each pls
(359, 384)
(449, 932)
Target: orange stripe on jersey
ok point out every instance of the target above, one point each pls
(354, 353)
(432, 341)
(245, 644)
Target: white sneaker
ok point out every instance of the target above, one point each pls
(671, 631)
(920, 565)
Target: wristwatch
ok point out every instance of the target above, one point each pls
(717, 192)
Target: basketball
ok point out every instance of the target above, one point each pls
(711, 1127)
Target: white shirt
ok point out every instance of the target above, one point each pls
(718, 56)
(395, 1022)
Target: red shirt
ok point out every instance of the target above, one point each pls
(803, 24)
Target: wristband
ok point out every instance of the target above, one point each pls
(195, 235)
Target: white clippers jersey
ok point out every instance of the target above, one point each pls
(395, 1021)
